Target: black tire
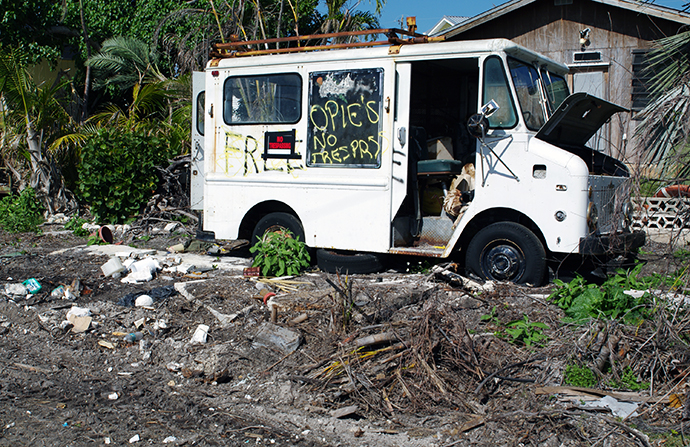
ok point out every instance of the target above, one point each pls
(334, 262)
(277, 222)
(507, 251)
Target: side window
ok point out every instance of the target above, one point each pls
(274, 98)
(344, 126)
(496, 88)
(556, 89)
(200, 112)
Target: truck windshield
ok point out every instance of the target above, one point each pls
(526, 80)
(556, 90)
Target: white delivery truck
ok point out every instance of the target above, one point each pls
(472, 150)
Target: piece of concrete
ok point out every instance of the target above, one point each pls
(273, 336)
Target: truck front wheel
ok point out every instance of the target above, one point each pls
(507, 251)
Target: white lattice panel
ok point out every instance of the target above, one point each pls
(662, 213)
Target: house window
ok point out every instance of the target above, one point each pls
(640, 80)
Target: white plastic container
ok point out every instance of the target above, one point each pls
(113, 267)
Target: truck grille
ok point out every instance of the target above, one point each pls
(609, 194)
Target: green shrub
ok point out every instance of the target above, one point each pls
(582, 301)
(21, 213)
(117, 173)
(580, 376)
(278, 254)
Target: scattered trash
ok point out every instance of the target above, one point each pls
(169, 439)
(249, 272)
(80, 318)
(106, 344)
(200, 334)
(273, 336)
(142, 271)
(133, 337)
(345, 411)
(619, 409)
(32, 285)
(113, 267)
(58, 292)
(134, 439)
(113, 396)
(156, 294)
(143, 301)
(106, 234)
(16, 289)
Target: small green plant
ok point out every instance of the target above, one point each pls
(580, 376)
(278, 254)
(491, 317)
(95, 239)
(528, 332)
(628, 381)
(75, 225)
(22, 213)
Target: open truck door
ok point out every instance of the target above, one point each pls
(197, 150)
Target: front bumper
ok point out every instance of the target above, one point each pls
(615, 244)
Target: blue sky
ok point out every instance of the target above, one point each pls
(429, 12)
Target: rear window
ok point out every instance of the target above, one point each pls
(264, 99)
(344, 126)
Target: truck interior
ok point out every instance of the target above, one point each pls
(444, 93)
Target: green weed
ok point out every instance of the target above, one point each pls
(628, 381)
(278, 254)
(528, 332)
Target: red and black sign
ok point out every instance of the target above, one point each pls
(280, 145)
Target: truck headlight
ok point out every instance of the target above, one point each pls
(627, 210)
(592, 217)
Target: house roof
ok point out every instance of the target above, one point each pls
(512, 5)
(445, 23)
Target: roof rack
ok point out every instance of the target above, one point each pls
(237, 48)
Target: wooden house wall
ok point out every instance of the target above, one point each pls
(615, 32)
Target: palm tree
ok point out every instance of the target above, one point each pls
(665, 126)
(31, 117)
(341, 16)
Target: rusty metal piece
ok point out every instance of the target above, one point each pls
(236, 47)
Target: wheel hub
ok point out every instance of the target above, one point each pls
(504, 262)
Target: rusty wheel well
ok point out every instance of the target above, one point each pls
(259, 210)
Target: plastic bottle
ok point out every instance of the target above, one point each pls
(133, 337)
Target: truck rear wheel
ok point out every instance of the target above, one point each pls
(278, 222)
(507, 251)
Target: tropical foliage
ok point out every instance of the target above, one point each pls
(130, 85)
(665, 125)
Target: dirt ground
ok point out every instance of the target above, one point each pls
(439, 376)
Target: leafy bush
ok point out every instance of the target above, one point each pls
(21, 213)
(117, 172)
(582, 301)
(278, 254)
(580, 376)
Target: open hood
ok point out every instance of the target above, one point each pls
(577, 119)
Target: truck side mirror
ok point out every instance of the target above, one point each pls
(477, 125)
